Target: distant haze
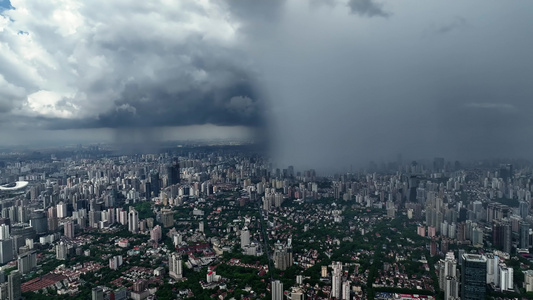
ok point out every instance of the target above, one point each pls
(326, 83)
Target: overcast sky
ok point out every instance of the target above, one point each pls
(329, 82)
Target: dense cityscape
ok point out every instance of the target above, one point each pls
(267, 149)
(220, 221)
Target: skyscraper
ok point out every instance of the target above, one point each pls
(506, 278)
(524, 235)
(174, 266)
(473, 279)
(6, 250)
(4, 232)
(451, 288)
(523, 209)
(336, 280)
(61, 251)
(13, 286)
(97, 293)
(154, 183)
(245, 237)
(27, 262)
(133, 220)
(173, 173)
(282, 257)
(39, 221)
(69, 229)
(277, 290)
(52, 219)
(167, 217)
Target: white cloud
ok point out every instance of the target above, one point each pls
(87, 52)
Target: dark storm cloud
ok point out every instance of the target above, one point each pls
(226, 95)
(367, 8)
(343, 85)
(144, 66)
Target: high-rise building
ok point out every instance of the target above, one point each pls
(155, 234)
(13, 286)
(524, 235)
(6, 250)
(245, 237)
(336, 280)
(523, 209)
(175, 266)
(201, 226)
(95, 216)
(451, 288)
(27, 262)
(154, 183)
(528, 280)
(53, 223)
(61, 210)
(4, 232)
(506, 278)
(447, 268)
(502, 235)
(69, 229)
(346, 286)
(492, 269)
(473, 277)
(173, 173)
(115, 262)
(97, 293)
(39, 221)
(61, 251)
(282, 257)
(133, 220)
(277, 290)
(167, 218)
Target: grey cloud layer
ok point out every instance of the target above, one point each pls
(142, 65)
(367, 8)
(346, 80)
